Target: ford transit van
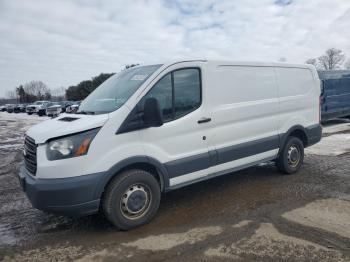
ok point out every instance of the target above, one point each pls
(335, 94)
(154, 128)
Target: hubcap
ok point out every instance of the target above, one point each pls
(293, 156)
(135, 201)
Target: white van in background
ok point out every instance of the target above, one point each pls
(151, 129)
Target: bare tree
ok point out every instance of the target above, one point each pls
(37, 90)
(311, 61)
(58, 93)
(333, 59)
(11, 94)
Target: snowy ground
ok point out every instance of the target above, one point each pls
(335, 141)
(9, 124)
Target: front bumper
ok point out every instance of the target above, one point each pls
(74, 196)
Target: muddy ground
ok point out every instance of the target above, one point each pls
(255, 214)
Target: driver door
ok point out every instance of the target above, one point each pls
(181, 142)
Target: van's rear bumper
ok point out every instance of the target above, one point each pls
(75, 196)
(314, 134)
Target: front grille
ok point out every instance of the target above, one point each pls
(30, 155)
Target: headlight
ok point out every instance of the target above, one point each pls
(70, 146)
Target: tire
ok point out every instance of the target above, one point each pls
(131, 191)
(291, 157)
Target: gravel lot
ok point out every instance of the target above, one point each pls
(255, 214)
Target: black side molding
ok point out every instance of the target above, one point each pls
(314, 134)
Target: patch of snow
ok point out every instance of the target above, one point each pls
(333, 145)
(168, 241)
(21, 116)
(330, 214)
(269, 242)
(331, 129)
(243, 223)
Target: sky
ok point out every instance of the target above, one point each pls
(62, 42)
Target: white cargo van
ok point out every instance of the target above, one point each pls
(151, 129)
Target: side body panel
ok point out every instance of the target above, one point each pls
(299, 92)
(244, 108)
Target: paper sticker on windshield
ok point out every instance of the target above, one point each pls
(139, 77)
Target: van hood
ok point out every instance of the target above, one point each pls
(65, 124)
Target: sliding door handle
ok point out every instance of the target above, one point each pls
(204, 120)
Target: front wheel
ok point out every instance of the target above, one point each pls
(131, 199)
(291, 157)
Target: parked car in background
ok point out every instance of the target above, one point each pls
(335, 97)
(3, 108)
(65, 104)
(42, 110)
(19, 108)
(73, 108)
(147, 130)
(54, 109)
(10, 108)
(34, 108)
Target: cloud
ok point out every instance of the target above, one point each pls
(283, 2)
(62, 42)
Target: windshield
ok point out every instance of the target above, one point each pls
(38, 103)
(116, 90)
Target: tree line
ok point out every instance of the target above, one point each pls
(30, 92)
(37, 90)
(84, 88)
(332, 59)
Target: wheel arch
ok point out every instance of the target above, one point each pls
(298, 131)
(146, 163)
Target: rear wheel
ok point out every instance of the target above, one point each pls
(131, 199)
(291, 157)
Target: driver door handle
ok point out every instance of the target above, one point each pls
(204, 120)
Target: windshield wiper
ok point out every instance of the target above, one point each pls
(86, 112)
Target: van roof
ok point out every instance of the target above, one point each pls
(241, 63)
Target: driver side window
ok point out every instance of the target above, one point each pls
(178, 93)
(162, 91)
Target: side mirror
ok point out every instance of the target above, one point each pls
(152, 115)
